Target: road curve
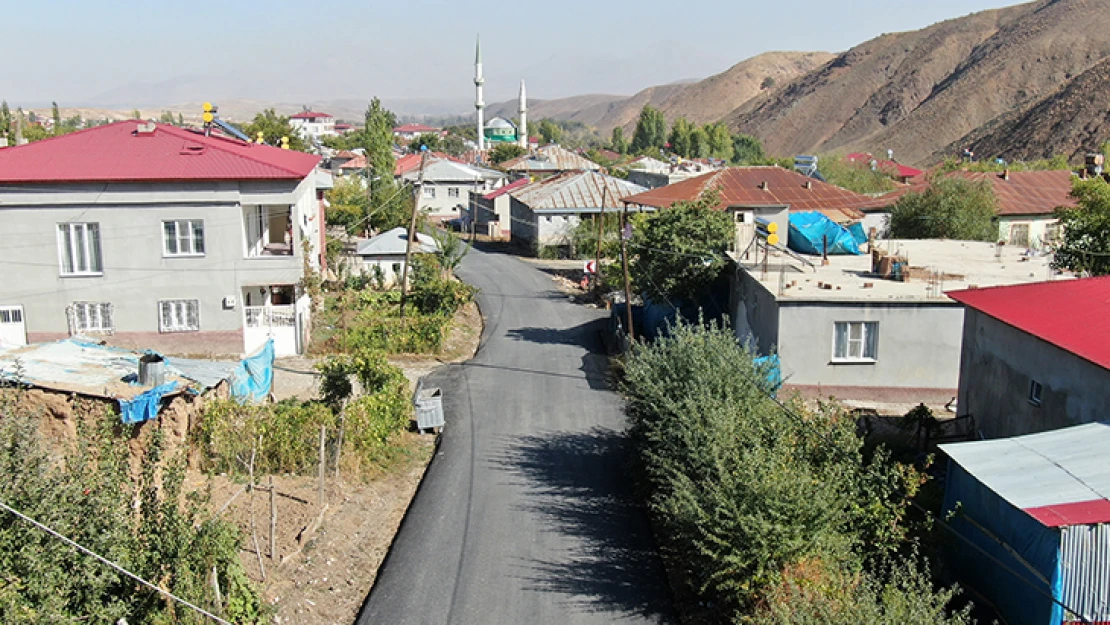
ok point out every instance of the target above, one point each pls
(525, 514)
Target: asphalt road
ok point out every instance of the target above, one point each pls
(525, 514)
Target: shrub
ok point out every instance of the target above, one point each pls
(285, 435)
(951, 208)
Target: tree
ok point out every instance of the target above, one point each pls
(651, 130)
(273, 127)
(856, 177)
(680, 137)
(5, 119)
(951, 208)
(348, 204)
(746, 150)
(1086, 244)
(767, 83)
(136, 114)
(56, 117)
(720, 141)
(505, 152)
(454, 145)
(166, 118)
(180, 120)
(699, 143)
(430, 140)
(617, 142)
(681, 250)
(376, 138)
(451, 250)
(550, 132)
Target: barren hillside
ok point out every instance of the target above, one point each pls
(922, 91)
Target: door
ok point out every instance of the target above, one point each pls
(13, 331)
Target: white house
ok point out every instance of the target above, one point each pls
(313, 125)
(446, 186)
(548, 211)
(385, 253)
(151, 236)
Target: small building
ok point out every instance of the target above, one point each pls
(877, 330)
(1032, 519)
(547, 212)
(446, 186)
(548, 160)
(342, 128)
(898, 172)
(150, 236)
(1035, 357)
(313, 125)
(407, 132)
(384, 254)
(493, 215)
(654, 173)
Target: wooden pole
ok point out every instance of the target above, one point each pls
(273, 521)
(254, 534)
(600, 235)
(627, 280)
(320, 473)
(412, 232)
(338, 446)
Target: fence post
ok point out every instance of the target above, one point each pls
(339, 447)
(323, 462)
(273, 520)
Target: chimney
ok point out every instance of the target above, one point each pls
(809, 184)
(1006, 174)
(763, 185)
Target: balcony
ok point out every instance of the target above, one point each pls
(269, 231)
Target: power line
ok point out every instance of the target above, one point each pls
(113, 565)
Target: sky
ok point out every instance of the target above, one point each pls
(131, 53)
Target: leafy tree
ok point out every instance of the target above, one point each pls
(617, 142)
(431, 140)
(273, 127)
(1057, 162)
(377, 139)
(466, 131)
(1086, 244)
(699, 143)
(680, 137)
(136, 114)
(767, 83)
(746, 150)
(348, 204)
(454, 145)
(719, 140)
(56, 116)
(550, 132)
(681, 250)
(5, 119)
(452, 249)
(856, 177)
(951, 208)
(505, 152)
(180, 120)
(651, 130)
(166, 118)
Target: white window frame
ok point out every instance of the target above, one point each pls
(1036, 392)
(90, 318)
(452, 192)
(182, 240)
(429, 192)
(868, 339)
(178, 313)
(83, 246)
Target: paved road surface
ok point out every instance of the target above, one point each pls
(525, 516)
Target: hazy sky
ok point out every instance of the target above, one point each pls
(79, 52)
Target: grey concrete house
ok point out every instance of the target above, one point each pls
(848, 330)
(492, 211)
(385, 253)
(1035, 357)
(447, 186)
(547, 212)
(151, 236)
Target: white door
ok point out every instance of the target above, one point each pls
(13, 331)
(262, 323)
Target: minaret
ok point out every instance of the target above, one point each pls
(478, 103)
(523, 117)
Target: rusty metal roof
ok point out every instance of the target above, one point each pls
(581, 191)
(1023, 193)
(550, 158)
(759, 186)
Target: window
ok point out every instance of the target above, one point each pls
(90, 318)
(453, 192)
(1052, 233)
(11, 315)
(429, 193)
(79, 249)
(1019, 235)
(179, 315)
(1035, 390)
(183, 237)
(856, 341)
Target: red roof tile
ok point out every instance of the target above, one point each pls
(512, 186)
(743, 186)
(308, 115)
(1070, 314)
(415, 128)
(409, 162)
(118, 152)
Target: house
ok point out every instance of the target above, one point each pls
(344, 128)
(900, 173)
(548, 161)
(384, 255)
(410, 162)
(1035, 357)
(1031, 518)
(493, 210)
(408, 132)
(313, 125)
(877, 330)
(150, 236)
(546, 212)
(446, 186)
(653, 173)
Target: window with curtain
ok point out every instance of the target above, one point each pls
(183, 237)
(856, 341)
(179, 315)
(79, 249)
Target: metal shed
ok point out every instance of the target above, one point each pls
(1040, 506)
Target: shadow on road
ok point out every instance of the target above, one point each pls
(595, 364)
(577, 486)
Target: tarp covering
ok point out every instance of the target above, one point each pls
(254, 377)
(809, 232)
(145, 405)
(772, 371)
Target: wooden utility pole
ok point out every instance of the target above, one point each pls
(412, 231)
(600, 234)
(627, 280)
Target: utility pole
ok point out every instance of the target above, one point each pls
(412, 230)
(600, 234)
(627, 281)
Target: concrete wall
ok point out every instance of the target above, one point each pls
(443, 206)
(755, 316)
(365, 265)
(495, 210)
(136, 275)
(997, 363)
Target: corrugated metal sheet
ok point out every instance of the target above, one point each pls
(1085, 568)
(581, 190)
(550, 158)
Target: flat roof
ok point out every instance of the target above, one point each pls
(960, 265)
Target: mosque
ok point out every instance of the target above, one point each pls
(499, 130)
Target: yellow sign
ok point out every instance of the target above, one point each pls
(207, 117)
(772, 227)
(773, 238)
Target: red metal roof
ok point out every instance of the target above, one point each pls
(902, 171)
(414, 128)
(119, 153)
(308, 115)
(1070, 314)
(1024, 193)
(758, 186)
(512, 186)
(409, 162)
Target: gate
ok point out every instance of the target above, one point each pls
(13, 330)
(265, 322)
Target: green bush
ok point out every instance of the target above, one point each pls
(285, 435)
(434, 292)
(951, 208)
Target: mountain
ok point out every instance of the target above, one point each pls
(921, 92)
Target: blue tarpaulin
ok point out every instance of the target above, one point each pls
(144, 406)
(772, 371)
(811, 231)
(254, 376)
